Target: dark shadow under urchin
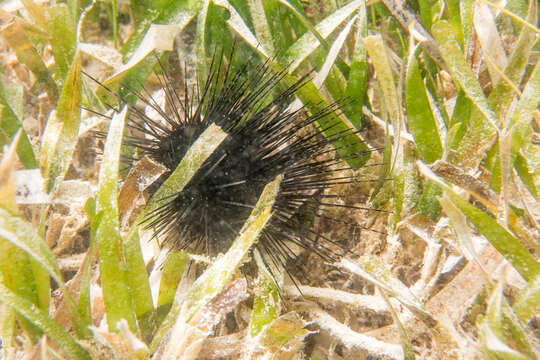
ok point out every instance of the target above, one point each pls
(265, 139)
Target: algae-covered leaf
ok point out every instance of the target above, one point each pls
(174, 268)
(420, 118)
(501, 334)
(10, 123)
(265, 305)
(112, 265)
(42, 320)
(138, 283)
(61, 139)
(305, 45)
(497, 235)
(358, 74)
(61, 31)
(27, 54)
(528, 301)
(483, 123)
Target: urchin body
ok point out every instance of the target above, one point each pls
(265, 139)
